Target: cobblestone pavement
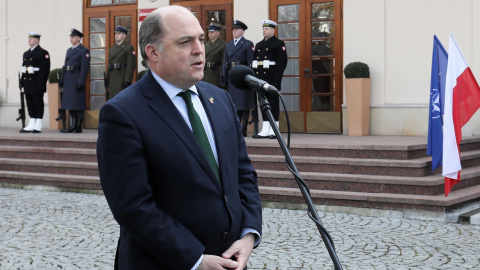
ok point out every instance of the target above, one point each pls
(57, 230)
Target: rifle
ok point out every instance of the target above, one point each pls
(105, 81)
(61, 112)
(21, 111)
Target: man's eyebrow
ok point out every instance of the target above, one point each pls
(189, 37)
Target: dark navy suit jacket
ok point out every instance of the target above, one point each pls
(159, 185)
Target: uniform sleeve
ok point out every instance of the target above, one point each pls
(131, 64)
(84, 68)
(250, 53)
(281, 63)
(44, 70)
(224, 66)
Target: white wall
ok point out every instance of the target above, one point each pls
(53, 19)
(395, 38)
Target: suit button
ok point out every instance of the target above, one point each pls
(225, 235)
(226, 198)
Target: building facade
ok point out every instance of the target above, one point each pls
(394, 37)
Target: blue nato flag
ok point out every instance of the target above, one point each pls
(437, 97)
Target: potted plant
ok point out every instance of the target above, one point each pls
(357, 90)
(53, 92)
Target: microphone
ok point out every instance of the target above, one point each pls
(243, 77)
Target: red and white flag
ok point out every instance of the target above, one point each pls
(462, 99)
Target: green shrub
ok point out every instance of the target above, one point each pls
(357, 70)
(52, 77)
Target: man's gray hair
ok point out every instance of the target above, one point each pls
(151, 32)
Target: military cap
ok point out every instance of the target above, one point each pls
(214, 27)
(239, 24)
(75, 32)
(34, 35)
(269, 23)
(121, 29)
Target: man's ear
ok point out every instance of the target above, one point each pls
(151, 52)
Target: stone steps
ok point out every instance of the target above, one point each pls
(389, 167)
(49, 166)
(368, 172)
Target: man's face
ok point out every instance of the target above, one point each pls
(120, 37)
(268, 32)
(75, 40)
(183, 58)
(238, 33)
(213, 35)
(33, 41)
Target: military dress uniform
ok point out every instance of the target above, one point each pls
(35, 71)
(74, 77)
(122, 62)
(214, 52)
(239, 54)
(270, 61)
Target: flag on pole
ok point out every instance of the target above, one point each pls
(462, 99)
(437, 98)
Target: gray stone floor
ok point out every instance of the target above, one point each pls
(56, 230)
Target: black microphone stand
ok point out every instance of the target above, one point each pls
(265, 107)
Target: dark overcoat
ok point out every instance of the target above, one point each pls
(272, 49)
(36, 82)
(213, 62)
(125, 55)
(240, 54)
(159, 185)
(74, 80)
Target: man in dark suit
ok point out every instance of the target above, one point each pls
(74, 78)
(214, 50)
(183, 199)
(122, 62)
(269, 63)
(35, 70)
(239, 51)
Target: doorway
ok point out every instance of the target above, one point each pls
(312, 85)
(99, 30)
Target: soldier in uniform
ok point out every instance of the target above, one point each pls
(122, 62)
(269, 63)
(214, 50)
(239, 51)
(75, 71)
(35, 71)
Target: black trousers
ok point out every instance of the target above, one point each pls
(35, 105)
(274, 101)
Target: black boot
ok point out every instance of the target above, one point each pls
(74, 124)
(79, 127)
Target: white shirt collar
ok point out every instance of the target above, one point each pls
(170, 89)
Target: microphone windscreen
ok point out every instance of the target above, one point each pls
(237, 75)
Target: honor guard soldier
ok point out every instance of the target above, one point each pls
(75, 71)
(269, 63)
(239, 51)
(122, 62)
(214, 50)
(35, 71)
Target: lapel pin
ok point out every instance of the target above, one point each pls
(211, 100)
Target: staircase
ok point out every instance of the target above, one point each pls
(376, 172)
(387, 173)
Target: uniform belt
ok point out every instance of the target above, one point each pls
(71, 68)
(211, 64)
(256, 63)
(30, 69)
(116, 66)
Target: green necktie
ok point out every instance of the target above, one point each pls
(199, 131)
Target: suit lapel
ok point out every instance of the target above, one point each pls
(165, 109)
